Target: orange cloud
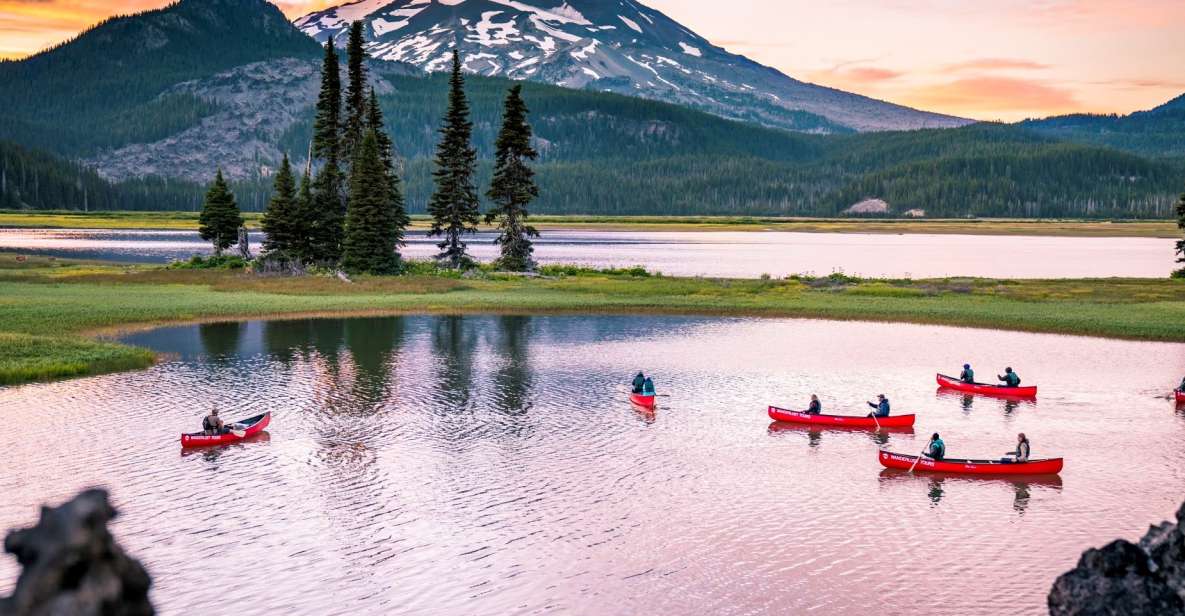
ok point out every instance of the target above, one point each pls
(989, 64)
(992, 96)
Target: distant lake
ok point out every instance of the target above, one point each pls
(492, 465)
(718, 254)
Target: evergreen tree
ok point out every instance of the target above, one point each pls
(513, 186)
(302, 248)
(370, 241)
(374, 122)
(1180, 243)
(220, 219)
(354, 126)
(327, 125)
(281, 221)
(454, 204)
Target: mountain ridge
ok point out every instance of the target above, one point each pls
(619, 46)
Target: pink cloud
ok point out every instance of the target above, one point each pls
(990, 64)
(983, 96)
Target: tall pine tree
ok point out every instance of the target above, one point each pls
(220, 219)
(454, 204)
(281, 220)
(354, 126)
(513, 186)
(304, 215)
(1180, 243)
(374, 122)
(326, 216)
(370, 223)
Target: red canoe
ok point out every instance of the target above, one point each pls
(643, 401)
(254, 425)
(1180, 395)
(1052, 466)
(892, 421)
(951, 382)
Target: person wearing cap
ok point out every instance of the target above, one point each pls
(967, 375)
(639, 381)
(212, 424)
(881, 406)
(1010, 378)
(1022, 449)
(936, 449)
(816, 407)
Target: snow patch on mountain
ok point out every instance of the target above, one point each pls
(611, 45)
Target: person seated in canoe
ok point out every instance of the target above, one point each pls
(648, 387)
(1010, 378)
(967, 375)
(936, 449)
(639, 382)
(1181, 387)
(816, 407)
(1022, 450)
(212, 425)
(881, 406)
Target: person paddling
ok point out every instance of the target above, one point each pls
(1010, 378)
(816, 407)
(1181, 387)
(639, 382)
(212, 424)
(936, 449)
(1022, 450)
(648, 387)
(881, 406)
(967, 375)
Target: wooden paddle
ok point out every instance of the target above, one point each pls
(915, 462)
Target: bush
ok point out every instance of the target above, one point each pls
(213, 262)
(1179, 273)
(636, 271)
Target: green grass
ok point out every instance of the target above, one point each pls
(1066, 228)
(50, 310)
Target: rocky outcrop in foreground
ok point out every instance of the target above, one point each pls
(1125, 578)
(72, 565)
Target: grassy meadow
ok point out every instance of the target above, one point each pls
(53, 311)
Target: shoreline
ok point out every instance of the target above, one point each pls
(187, 221)
(59, 317)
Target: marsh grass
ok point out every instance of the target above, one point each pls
(48, 310)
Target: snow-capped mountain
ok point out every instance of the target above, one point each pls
(612, 45)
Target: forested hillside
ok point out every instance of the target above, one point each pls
(101, 89)
(1156, 132)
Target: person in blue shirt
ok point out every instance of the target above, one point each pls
(881, 406)
(639, 382)
(937, 449)
(816, 407)
(648, 387)
(1010, 378)
(967, 375)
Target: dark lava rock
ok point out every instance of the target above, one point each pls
(72, 565)
(1123, 578)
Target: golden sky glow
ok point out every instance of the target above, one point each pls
(997, 59)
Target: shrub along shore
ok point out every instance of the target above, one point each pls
(53, 313)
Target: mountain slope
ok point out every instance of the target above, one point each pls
(102, 88)
(1159, 131)
(611, 45)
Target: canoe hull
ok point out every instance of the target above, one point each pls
(257, 424)
(788, 416)
(1180, 396)
(646, 402)
(889, 459)
(947, 382)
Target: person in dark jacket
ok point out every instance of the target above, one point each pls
(967, 375)
(639, 381)
(1010, 378)
(1022, 449)
(816, 407)
(648, 387)
(1182, 386)
(936, 449)
(881, 406)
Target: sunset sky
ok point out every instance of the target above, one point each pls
(1002, 59)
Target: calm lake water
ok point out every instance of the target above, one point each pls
(726, 254)
(490, 465)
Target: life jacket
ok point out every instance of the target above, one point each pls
(1023, 450)
(648, 388)
(937, 449)
(815, 408)
(1012, 379)
(968, 375)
